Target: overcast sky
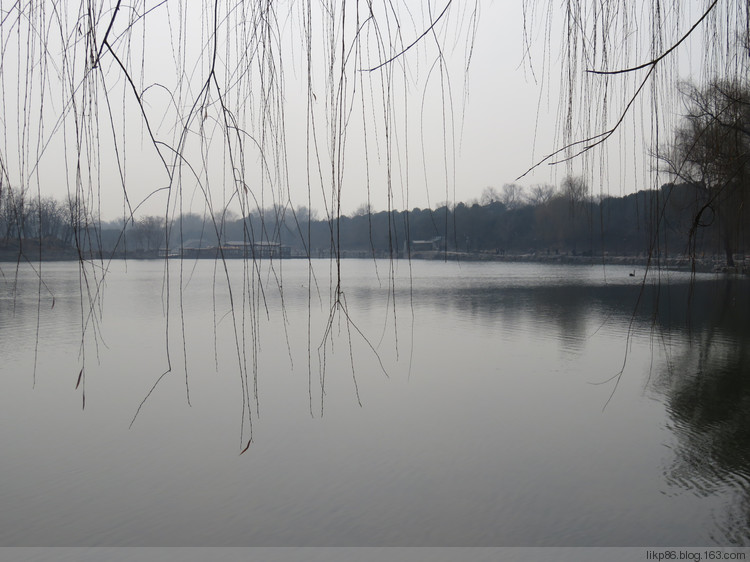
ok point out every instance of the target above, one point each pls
(441, 137)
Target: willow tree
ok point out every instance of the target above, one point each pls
(621, 67)
(164, 102)
(711, 154)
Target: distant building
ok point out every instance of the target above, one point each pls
(242, 249)
(433, 245)
(235, 249)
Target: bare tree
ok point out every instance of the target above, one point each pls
(489, 195)
(77, 221)
(512, 195)
(540, 194)
(363, 210)
(150, 232)
(575, 189)
(52, 218)
(13, 213)
(711, 152)
(305, 215)
(620, 63)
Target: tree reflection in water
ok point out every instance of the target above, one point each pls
(707, 394)
(703, 329)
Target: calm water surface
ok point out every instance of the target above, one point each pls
(497, 417)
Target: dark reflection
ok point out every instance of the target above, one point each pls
(572, 312)
(564, 309)
(719, 308)
(705, 382)
(707, 392)
(704, 386)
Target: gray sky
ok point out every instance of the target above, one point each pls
(439, 136)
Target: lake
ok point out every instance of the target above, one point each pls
(442, 404)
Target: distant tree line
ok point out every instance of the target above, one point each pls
(541, 219)
(704, 212)
(565, 221)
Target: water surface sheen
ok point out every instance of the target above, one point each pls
(491, 410)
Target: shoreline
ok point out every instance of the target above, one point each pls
(680, 263)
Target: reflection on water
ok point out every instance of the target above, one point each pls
(488, 430)
(704, 330)
(707, 394)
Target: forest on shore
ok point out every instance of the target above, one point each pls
(542, 222)
(699, 217)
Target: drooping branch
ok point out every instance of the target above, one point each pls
(592, 141)
(106, 35)
(665, 54)
(417, 40)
